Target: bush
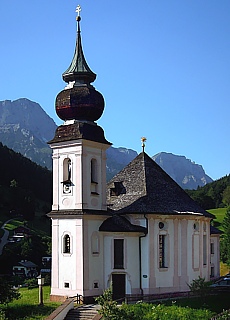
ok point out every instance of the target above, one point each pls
(147, 311)
(2, 315)
(7, 292)
(31, 283)
(109, 308)
(200, 287)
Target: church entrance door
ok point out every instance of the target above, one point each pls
(118, 286)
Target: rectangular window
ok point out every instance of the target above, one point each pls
(212, 248)
(162, 251)
(118, 253)
(212, 272)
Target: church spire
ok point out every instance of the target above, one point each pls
(79, 70)
(79, 100)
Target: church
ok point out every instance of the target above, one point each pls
(140, 232)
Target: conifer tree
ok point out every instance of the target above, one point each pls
(225, 246)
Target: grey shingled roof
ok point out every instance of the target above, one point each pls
(118, 223)
(79, 130)
(214, 230)
(143, 187)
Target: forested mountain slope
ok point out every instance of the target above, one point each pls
(23, 183)
(213, 195)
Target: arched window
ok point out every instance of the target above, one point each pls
(67, 170)
(94, 171)
(66, 244)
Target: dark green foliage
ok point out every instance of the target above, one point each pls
(226, 196)
(147, 311)
(200, 287)
(225, 241)
(22, 183)
(109, 308)
(47, 280)
(24, 250)
(31, 283)
(7, 293)
(213, 195)
(2, 315)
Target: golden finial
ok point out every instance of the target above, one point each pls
(78, 10)
(143, 139)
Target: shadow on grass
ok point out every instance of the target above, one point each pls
(28, 312)
(215, 302)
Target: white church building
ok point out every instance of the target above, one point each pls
(141, 231)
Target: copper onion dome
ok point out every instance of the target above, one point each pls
(79, 100)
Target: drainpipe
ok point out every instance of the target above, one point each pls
(140, 260)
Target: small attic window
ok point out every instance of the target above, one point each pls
(118, 189)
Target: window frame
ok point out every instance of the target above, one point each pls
(66, 244)
(163, 260)
(118, 257)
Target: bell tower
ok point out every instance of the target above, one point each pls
(79, 177)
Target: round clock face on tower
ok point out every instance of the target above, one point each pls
(66, 188)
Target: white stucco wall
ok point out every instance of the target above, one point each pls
(67, 267)
(215, 257)
(131, 260)
(80, 152)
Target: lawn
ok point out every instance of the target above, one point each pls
(27, 308)
(13, 224)
(177, 309)
(220, 214)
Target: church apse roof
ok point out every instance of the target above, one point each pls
(144, 187)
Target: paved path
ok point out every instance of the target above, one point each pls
(5, 236)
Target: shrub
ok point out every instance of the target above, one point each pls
(2, 315)
(109, 308)
(31, 283)
(7, 292)
(200, 287)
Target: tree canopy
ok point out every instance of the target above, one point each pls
(213, 195)
(7, 292)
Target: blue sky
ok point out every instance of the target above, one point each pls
(162, 66)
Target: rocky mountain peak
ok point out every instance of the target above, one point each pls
(185, 172)
(25, 127)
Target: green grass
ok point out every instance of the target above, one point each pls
(178, 309)
(220, 214)
(214, 303)
(27, 308)
(13, 224)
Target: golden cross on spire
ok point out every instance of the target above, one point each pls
(78, 10)
(143, 139)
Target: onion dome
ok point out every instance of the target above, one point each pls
(79, 100)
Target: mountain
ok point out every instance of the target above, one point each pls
(25, 127)
(117, 159)
(185, 172)
(24, 185)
